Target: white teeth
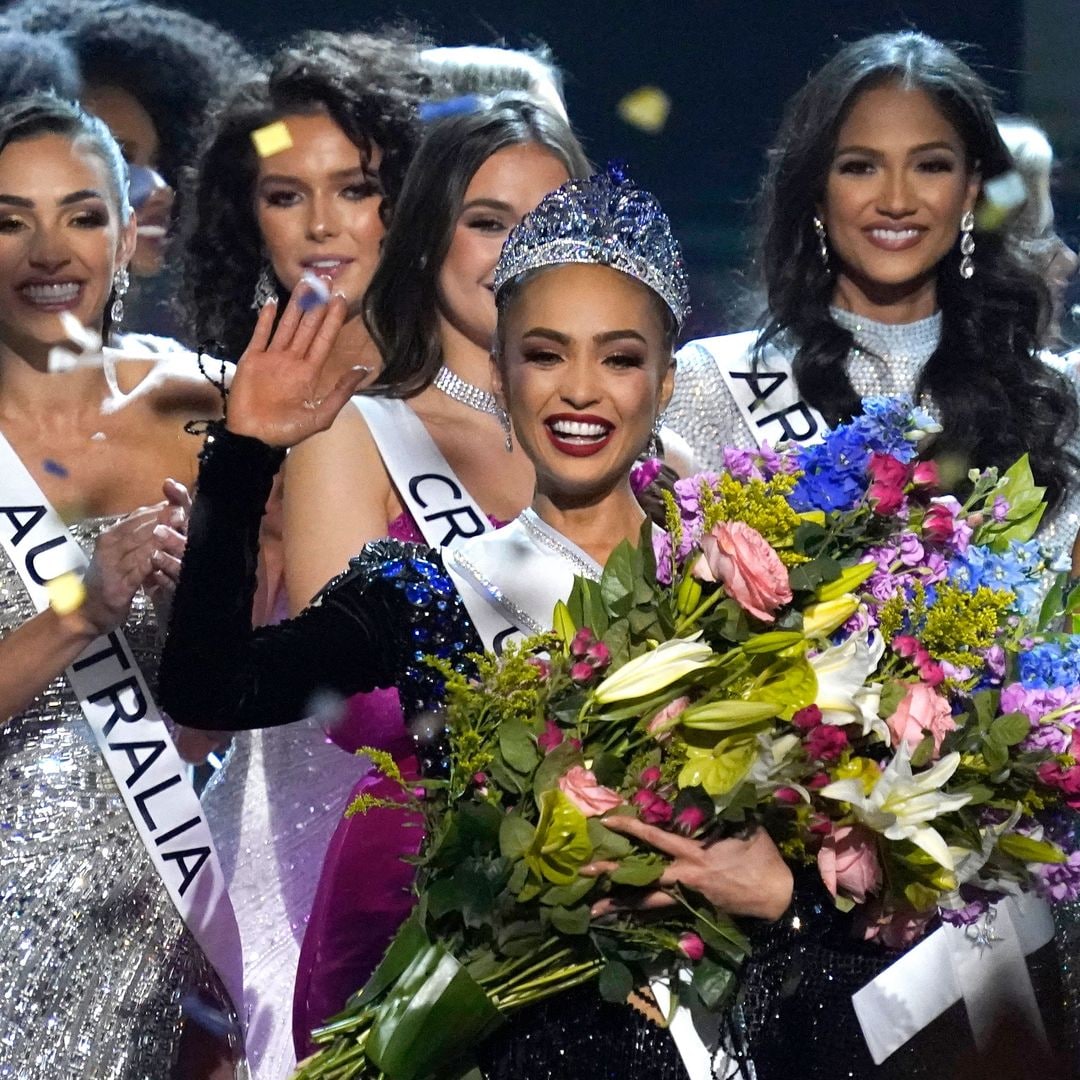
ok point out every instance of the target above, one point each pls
(575, 428)
(57, 292)
(324, 264)
(894, 235)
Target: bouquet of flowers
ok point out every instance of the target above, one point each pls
(819, 644)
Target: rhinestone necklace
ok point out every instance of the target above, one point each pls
(454, 386)
(547, 537)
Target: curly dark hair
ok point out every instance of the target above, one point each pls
(172, 63)
(997, 398)
(33, 63)
(368, 84)
(401, 305)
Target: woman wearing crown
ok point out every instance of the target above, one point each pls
(591, 291)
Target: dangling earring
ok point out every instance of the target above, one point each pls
(967, 245)
(504, 423)
(121, 282)
(823, 241)
(265, 288)
(654, 449)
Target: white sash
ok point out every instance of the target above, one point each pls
(510, 582)
(129, 731)
(766, 394)
(443, 510)
(949, 965)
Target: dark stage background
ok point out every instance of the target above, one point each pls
(727, 65)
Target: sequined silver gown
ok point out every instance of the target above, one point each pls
(887, 359)
(94, 960)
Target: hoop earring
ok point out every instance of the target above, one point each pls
(654, 449)
(822, 240)
(967, 245)
(265, 288)
(504, 423)
(121, 282)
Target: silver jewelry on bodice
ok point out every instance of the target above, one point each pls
(547, 537)
(888, 358)
(475, 397)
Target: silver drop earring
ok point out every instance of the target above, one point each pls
(967, 245)
(265, 288)
(504, 423)
(654, 449)
(823, 241)
(121, 282)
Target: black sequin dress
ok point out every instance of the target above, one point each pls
(369, 628)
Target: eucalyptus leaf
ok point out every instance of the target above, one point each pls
(567, 895)
(518, 747)
(515, 836)
(1010, 729)
(616, 983)
(638, 870)
(573, 921)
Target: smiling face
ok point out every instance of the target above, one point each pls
(897, 188)
(503, 190)
(60, 239)
(133, 128)
(317, 205)
(585, 369)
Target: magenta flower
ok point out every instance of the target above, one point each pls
(692, 947)
(825, 742)
(582, 671)
(652, 809)
(650, 776)
(807, 719)
(551, 737)
(688, 821)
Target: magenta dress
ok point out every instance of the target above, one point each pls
(365, 891)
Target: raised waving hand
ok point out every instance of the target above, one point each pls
(280, 392)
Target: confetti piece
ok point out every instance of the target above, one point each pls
(54, 468)
(88, 340)
(316, 294)
(153, 232)
(66, 593)
(272, 139)
(646, 108)
(62, 360)
(142, 183)
(1001, 197)
(327, 707)
(438, 110)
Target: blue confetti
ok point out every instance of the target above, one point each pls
(316, 293)
(54, 468)
(439, 110)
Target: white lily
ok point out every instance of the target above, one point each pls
(901, 803)
(651, 672)
(844, 695)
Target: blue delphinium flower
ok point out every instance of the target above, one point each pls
(886, 424)
(1049, 664)
(834, 472)
(1016, 570)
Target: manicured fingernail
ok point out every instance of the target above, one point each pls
(161, 532)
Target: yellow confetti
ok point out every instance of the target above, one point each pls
(272, 139)
(647, 108)
(66, 593)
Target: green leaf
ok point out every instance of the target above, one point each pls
(408, 943)
(444, 896)
(515, 836)
(567, 895)
(518, 876)
(616, 983)
(808, 576)
(712, 982)
(572, 921)
(638, 870)
(892, 693)
(923, 754)
(435, 1013)
(1010, 729)
(518, 746)
(995, 753)
(617, 580)
(506, 778)
(609, 769)
(606, 843)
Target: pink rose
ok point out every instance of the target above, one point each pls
(580, 786)
(898, 929)
(742, 560)
(1066, 780)
(665, 719)
(825, 743)
(926, 474)
(889, 477)
(692, 947)
(922, 712)
(807, 719)
(688, 821)
(650, 775)
(848, 862)
(787, 795)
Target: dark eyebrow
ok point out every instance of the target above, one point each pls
(920, 149)
(492, 204)
(67, 200)
(599, 339)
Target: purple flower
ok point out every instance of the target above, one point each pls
(1001, 508)
(967, 915)
(1047, 737)
(742, 464)
(661, 543)
(644, 473)
(911, 550)
(1060, 882)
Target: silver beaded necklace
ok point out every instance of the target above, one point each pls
(455, 387)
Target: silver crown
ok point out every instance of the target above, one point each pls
(607, 220)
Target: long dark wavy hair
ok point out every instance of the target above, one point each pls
(401, 305)
(997, 398)
(369, 85)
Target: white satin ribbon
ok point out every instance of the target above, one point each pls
(949, 965)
